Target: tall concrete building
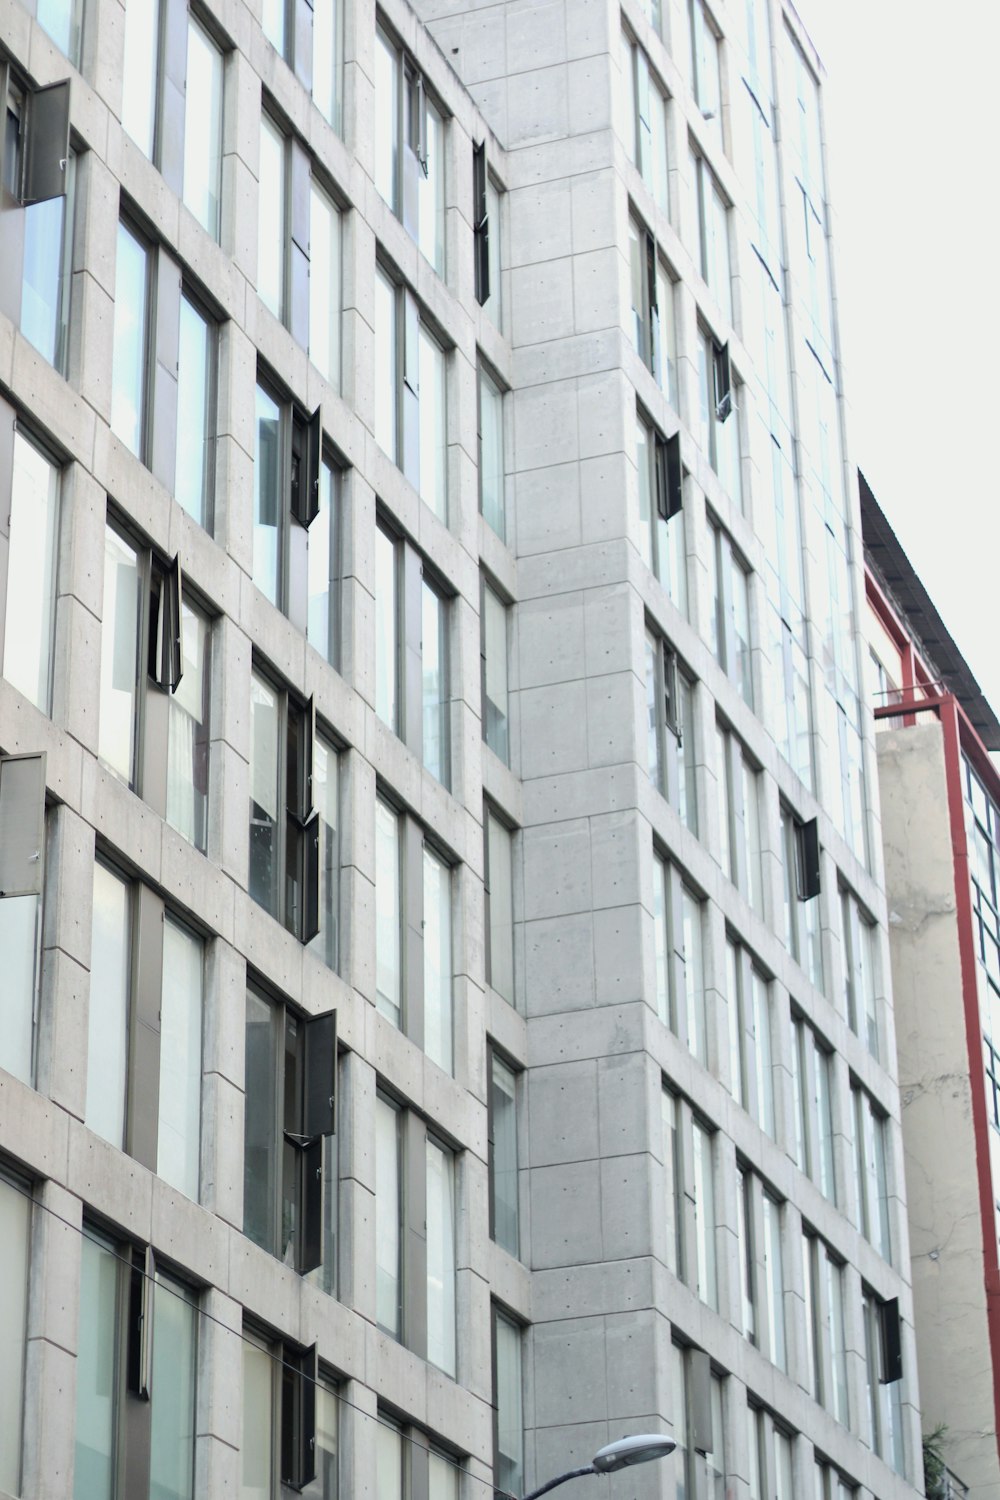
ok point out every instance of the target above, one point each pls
(940, 791)
(444, 1011)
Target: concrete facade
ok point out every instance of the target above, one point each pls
(666, 960)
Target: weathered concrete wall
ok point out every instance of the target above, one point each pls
(956, 1372)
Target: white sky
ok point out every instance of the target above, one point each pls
(910, 105)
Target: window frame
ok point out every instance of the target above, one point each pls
(494, 1059)
(411, 156)
(159, 648)
(299, 1178)
(415, 1136)
(413, 842)
(410, 325)
(514, 1475)
(13, 430)
(734, 655)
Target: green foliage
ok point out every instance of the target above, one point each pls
(935, 1468)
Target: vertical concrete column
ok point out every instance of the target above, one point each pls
(223, 1083)
(95, 240)
(61, 1065)
(50, 1356)
(220, 1384)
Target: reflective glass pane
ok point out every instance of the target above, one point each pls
(430, 188)
(509, 1414)
(388, 1460)
(260, 1123)
(437, 961)
(440, 1257)
(62, 19)
(203, 128)
(386, 389)
(15, 1220)
(324, 1486)
(492, 305)
(327, 73)
(386, 629)
(386, 119)
(660, 939)
(19, 945)
(433, 426)
(273, 24)
(119, 654)
(500, 908)
(128, 379)
(94, 1460)
(495, 706)
(321, 626)
(31, 573)
(187, 733)
(268, 498)
(172, 1427)
(195, 412)
(271, 216)
(704, 1208)
(324, 285)
(443, 1476)
(258, 1436)
(107, 1013)
(139, 72)
(775, 1281)
(47, 271)
(388, 915)
(491, 460)
(178, 1138)
(434, 683)
(326, 800)
(264, 794)
(387, 1218)
(503, 1181)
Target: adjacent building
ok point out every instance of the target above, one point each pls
(445, 1017)
(940, 796)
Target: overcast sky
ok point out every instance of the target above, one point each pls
(910, 102)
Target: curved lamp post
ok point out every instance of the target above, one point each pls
(614, 1456)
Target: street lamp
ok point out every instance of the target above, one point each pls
(614, 1456)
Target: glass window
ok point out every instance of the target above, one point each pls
(388, 1248)
(499, 907)
(495, 701)
(327, 60)
(386, 117)
(673, 1181)
(774, 1281)
(195, 413)
(33, 533)
(47, 274)
(433, 424)
(492, 500)
(388, 914)
(265, 795)
(94, 1460)
(386, 389)
(430, 187)
(761, 1050)
(434, 682)
(268, 497)
(272, 190)
(870, 1131)
(438, 1043)
(258, 1422)
(386, 628)
(323, 625)
(188, 733)
(15, 1223)
(108, 1011)
(324, 281)
(326, 800)
(290, 1061)
(508, 1469)
(172, 1428)
(661, 939)
(503, 1155)
(704, 1214)
(325, 1485)
(128, 384)
(140, 72)
(492, 306)
(694, 974)
(440, 1257)
(63, 21)
(744, 1221)
(181, 999)
(203, 127)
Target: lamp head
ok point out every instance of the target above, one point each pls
(632, 1450)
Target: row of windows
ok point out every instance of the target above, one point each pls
(137, 1365)
(766, 1278)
